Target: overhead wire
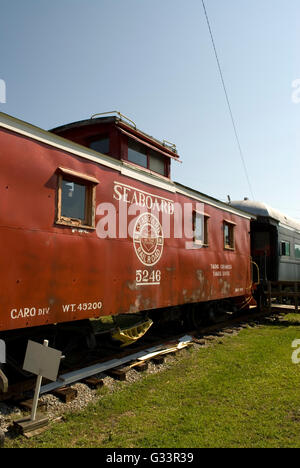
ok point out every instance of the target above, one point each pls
(228, 101)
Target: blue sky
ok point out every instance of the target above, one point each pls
(153, 60)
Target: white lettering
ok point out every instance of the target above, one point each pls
(23, 313)
(133, 196)
(117, 458)
(117, 195)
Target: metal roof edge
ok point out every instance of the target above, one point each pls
(31, 131)
(212, 201)
(43, 136)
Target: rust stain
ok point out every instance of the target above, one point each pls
(200, 276)
(225, 287)
(134, 308)
(132, 285)
(141, 303)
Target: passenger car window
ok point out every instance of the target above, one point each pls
(285, 249)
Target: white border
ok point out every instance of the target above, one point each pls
(134, 241)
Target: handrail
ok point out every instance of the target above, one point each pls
(258, 272)
(115, 112)
(172, 146)
(168, 144)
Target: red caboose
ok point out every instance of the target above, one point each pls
(91, 224)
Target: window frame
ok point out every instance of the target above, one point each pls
(283, 242)
(232, 227)
(296, 248)
(206, 218)
(148, 156)
(90, 184)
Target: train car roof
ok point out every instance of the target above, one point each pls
(128, 129)
(261, 209)
(36, 133)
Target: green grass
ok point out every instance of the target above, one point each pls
(242, 392)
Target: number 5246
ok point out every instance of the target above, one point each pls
(148, 277)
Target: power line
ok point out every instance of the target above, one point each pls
(227, 99)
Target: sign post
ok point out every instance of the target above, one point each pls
(2, 352)
(43, 362)
(37, 390)
(3, 378)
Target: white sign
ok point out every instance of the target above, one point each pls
(2, 352)
(41, 360)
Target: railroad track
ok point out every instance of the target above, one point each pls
(152, 347)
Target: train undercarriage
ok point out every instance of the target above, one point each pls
(91, 336)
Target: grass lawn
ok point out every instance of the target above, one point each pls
(241, 392)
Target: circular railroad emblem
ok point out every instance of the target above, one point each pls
(148, 239)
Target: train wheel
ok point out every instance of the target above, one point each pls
(74, 336)
(199, 315)
(194, 317)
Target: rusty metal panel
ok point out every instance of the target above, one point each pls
(52, 273)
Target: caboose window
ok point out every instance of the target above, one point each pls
(148, 158)
(156, 162)
(200, 227)
(73, 200)
(229, 235)
(101, 145)
(137, 153)
(76, 199)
